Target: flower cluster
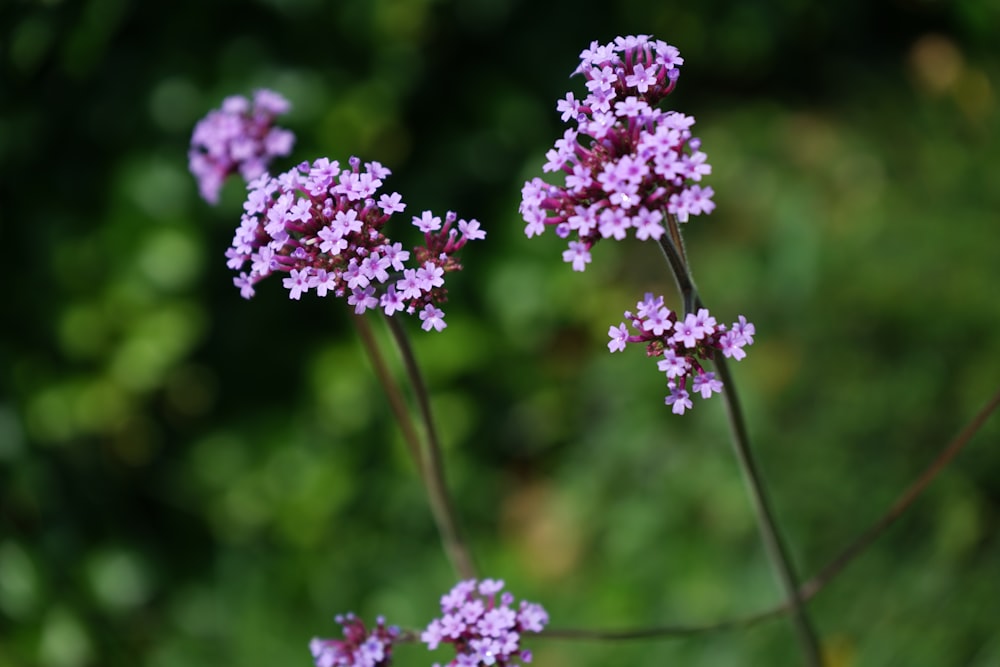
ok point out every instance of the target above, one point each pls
(681, 345)
(626, 164)
(359, 647)
(484, 632)
(322, 226)
(239, 137)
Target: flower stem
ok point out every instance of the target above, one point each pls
(396, 401)
(811, 588)
(773, 544)
(904, 501)
(673, 249)
(432, 467)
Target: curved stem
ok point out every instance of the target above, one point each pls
(812, 587)
(432, 466)
(673, 249)
(904, 501)
(668, 631)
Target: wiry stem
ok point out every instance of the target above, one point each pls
(904, 501)
(812, 587)
(396, 401)
(667, 631)
(428, 458)
(673, 249)
(775, 546)
(433, 465)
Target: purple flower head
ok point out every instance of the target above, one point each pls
(321, 226)
(681, 346)
(626, 164)
(359, 647)
(239, 137)
(482, 624)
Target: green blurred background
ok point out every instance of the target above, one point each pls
(188, 479)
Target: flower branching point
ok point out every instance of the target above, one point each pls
(483, 625)
(625, 163)
(322, 227)
(681, 346)
(240, 137)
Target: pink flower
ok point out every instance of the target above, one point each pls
(484, 630)
(682, 346)
(240, 137)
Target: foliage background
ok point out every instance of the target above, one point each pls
(189, 479)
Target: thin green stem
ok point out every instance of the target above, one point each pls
(427, 459)
(668, 631)
(433, 465)
(673, 249)
(904, 501)
(811, 588)
(392, 391)
(676, 256)
(775, 546)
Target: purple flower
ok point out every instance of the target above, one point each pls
(626, 163)
(531, 616)
(679, 399)
(433, 318)
(706, 384)
(239, 137)
(578, 255)
(619, 337)
(484, 630)
(744, 330)
(672, 364)
(320, 225)
(681, 346)
(658, 322)
(359, 647)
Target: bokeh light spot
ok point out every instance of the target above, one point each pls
(119, 579)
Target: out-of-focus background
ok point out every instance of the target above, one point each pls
(189, 479)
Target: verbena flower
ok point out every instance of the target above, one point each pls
(359, 647)
(239, 137)
(681, 345)
(483, 629)
(322, 227)
(625, 164)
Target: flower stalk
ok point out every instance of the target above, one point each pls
(774, 545)
(629, 166)
(431, 463)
